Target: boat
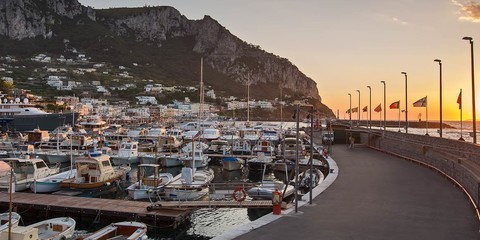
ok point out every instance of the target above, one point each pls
(127, 153)
(170, 143)
(218, 147)
(288, 148)
(307, 177)
(51, 183)
(210, 134)
(232, 163)
(24, 116)
(252, 135)
(4, 220)
(150, 182)
(93, 123)
(260, 162)
(264, 146)
(230, 136)
(93, 171)
(120, 230)
(50, 229)
(191, 184)
(265, 189)
(26, 171)
(171, 159)
(241, 147)
(199, 158)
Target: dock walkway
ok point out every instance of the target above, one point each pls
(379, 196)
(76, 206)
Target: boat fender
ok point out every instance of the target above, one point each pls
(239, 194)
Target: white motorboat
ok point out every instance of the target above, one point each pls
(265, 189)
(195, 159)
(191, 184)
(26, 171)
(120, 230)
(127, 153)
(150, 182)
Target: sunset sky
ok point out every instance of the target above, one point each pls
(345, 45)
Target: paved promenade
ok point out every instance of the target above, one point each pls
(378, 196)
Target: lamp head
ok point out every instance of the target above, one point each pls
(349, 94)
(468, 38)
(382, 82)
(369, 87)
(404, 73)
(358, 91)
(438, 60)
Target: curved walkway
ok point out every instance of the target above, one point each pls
(379, 196)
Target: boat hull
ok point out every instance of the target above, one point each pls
(42, 121)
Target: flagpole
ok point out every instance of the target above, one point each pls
(461, 115)
(426, 114)
(399, 118)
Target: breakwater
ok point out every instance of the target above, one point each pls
(458, 160)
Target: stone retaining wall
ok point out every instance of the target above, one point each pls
(458, 159)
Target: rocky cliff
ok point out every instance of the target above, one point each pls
(21, 19)
(223, 52)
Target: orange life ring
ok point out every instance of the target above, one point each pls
(239, 194)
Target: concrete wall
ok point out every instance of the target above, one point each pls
(458, 159)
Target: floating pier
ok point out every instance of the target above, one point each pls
(80, 207)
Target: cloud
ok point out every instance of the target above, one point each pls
(401, 22)
(469, 11)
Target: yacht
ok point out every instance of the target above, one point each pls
(23, 116)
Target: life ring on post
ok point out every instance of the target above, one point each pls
(239, 194)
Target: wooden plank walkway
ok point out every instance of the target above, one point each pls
(214, 204)
(130, 210)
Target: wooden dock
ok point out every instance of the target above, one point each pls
(212, 204)
(80, 207)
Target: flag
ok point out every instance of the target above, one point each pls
(459, 100)
(422, 102)
(355, 109)
(395, 105)
(365, 109)
(348, 111)
(378, 108)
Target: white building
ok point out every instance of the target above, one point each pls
(146, 99)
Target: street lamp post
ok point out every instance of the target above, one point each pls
(350, 110)
(358, 123)
(470, 39)
(406, 104)
(384, 105)
(441, 115)
(370, 107)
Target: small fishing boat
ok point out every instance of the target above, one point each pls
(4, 220)
(191, 184)
(50, 229)
(120, 230)
(150, 182)
(26, 171)
(94, 171)
(232, 163)
(51, 183)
